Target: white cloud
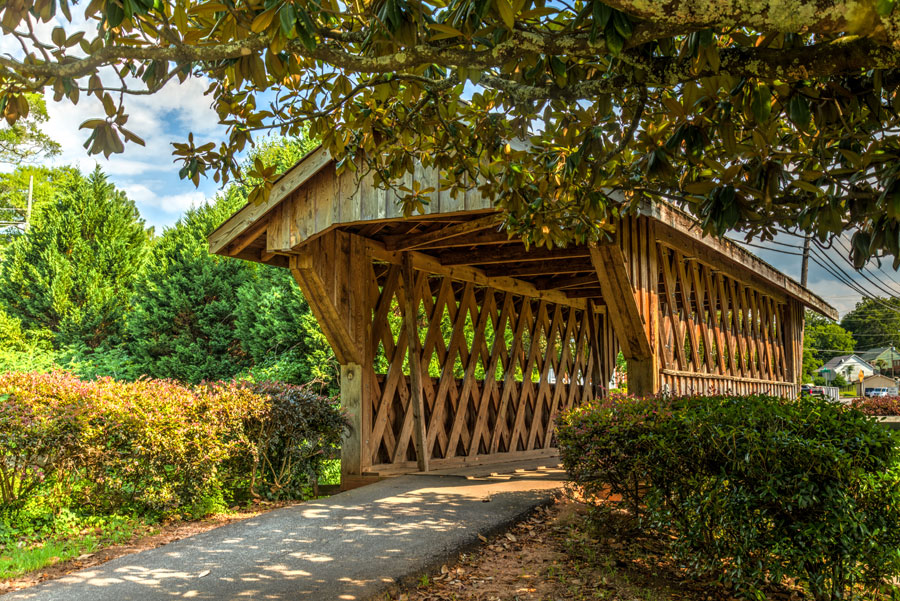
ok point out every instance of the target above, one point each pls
(148, 174)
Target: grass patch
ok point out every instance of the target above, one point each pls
(331, 472)
(61, 538)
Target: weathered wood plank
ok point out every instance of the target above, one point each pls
(404, 242)
(410, 319)
(471, 274)
(283, 187)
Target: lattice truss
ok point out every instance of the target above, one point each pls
(713, 325)
(497, 366)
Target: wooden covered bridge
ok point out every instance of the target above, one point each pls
(458, 345)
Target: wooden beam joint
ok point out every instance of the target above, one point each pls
(623, 312)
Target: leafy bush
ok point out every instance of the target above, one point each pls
(291, 440)
(880, 405)
(154, 446)
(750, 489)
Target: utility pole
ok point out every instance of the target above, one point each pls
(28, 208)
(892, 361)
(804, 266)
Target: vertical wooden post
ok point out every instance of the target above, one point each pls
(643, 376)
(415, 359)
(643, 373)
(353, 444)
(792, 339)
(333, 273)
(628, 285)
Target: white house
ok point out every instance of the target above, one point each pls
(847, 366)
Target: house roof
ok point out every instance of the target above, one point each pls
(836, 362)
(871, 355)
(878, 378)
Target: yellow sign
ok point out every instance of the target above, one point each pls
(861, 376)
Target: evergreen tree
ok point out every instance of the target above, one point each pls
(183, 323)
(277, 328)
(203, 317)
(75, 269)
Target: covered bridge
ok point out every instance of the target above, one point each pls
(458, 345)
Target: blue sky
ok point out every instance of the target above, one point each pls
(150, 177)
(147, 174)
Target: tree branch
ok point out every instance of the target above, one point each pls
(787, 16)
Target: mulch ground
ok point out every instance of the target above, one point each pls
(150, 538)
(554, 556)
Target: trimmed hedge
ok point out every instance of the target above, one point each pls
(155, 445)
(750, 490)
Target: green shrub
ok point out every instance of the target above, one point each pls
(291, 441)
(277, 329)
(105, 361)
(752, 489)
(154, 446)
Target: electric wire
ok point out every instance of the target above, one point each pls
(861, 272)
(846, 246)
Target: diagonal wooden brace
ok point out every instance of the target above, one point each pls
(327, 284)
(622, 309)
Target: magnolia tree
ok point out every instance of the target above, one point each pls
(753, 114)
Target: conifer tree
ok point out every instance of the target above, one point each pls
(278, 329)
(183, 323)
(202, 317)
(74, 271)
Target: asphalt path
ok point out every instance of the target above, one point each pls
(352, 546)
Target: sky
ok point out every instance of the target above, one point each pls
(147, 174)
(150, 177)
(829, 270)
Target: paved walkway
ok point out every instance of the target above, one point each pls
(351, 546)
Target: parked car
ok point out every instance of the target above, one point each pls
(875, 392)
(812, 390)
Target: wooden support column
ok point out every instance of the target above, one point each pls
(352, 444)
(792, 339)
(414, 347)
(625, 317)
(331, 271)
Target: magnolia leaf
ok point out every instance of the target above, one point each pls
(622, 24)
(262, 21)
(803, 185)
(614, 42)
(109, 105)
(505, 8)
(445, 31)
(700, 188)
(131, 136)
(92, 124)
(798, 110)
(58, 36)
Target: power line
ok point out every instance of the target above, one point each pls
(878, 284)
(836, 274)
(846, 246)
(783, 252)
(846, 277)
(821, 257)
